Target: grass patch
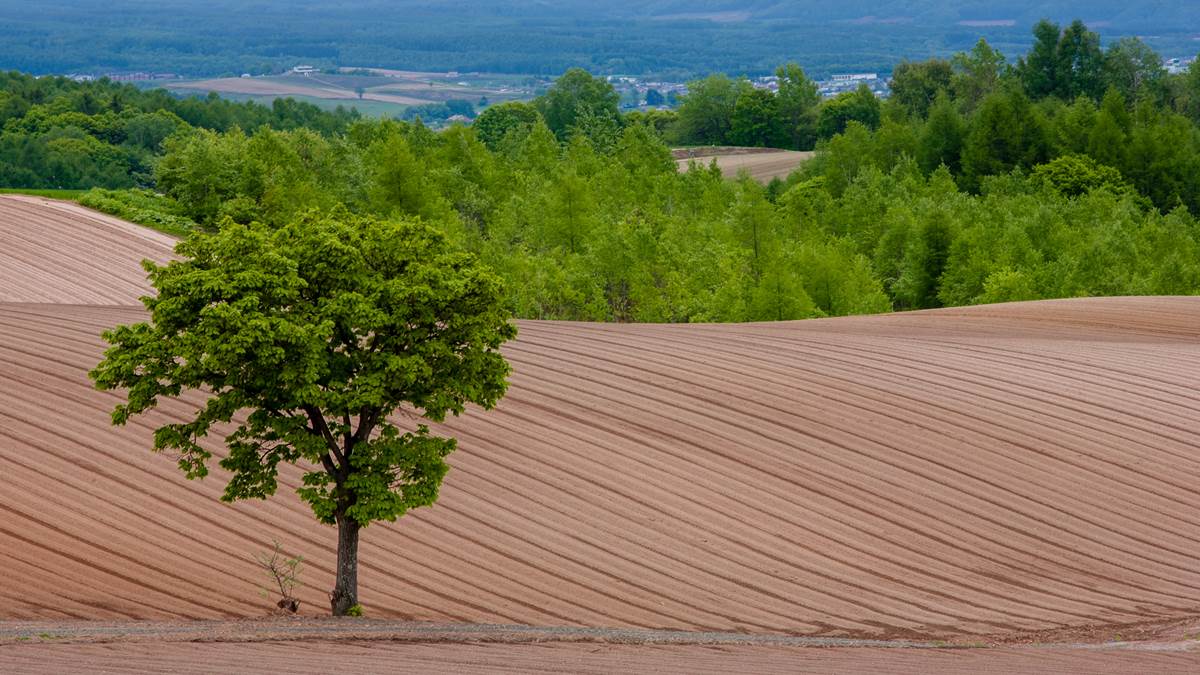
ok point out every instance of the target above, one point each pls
(53, 194)
(140, 206)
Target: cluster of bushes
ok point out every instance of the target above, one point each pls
(139, 206)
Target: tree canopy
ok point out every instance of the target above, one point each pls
(308, 338)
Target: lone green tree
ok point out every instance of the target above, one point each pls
(306, 340)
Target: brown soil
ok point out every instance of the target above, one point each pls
(60, 252)
(333, 657)
(327, 645)
(763, 164)
(1001, 474)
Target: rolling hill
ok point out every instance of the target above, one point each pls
(940, 474)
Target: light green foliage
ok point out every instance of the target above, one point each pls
(141, 207)
(307, 339)
(1074, 175)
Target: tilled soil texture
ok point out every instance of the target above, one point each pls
(60, 252)
(963, 474)
(943, 474)
(763, 164)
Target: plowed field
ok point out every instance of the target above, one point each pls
(54, 251)
(954, 474)
(763, 164)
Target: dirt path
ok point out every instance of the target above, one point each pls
(326, 645)
(311, 628)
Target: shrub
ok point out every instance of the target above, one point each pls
(139, 206)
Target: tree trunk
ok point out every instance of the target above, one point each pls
(345, 589)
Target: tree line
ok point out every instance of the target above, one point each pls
(56, 133)
(975, 182)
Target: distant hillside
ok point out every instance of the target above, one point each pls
(676, 38)
(1122, 14)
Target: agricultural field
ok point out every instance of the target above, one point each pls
(911, 478)
(383, 92)
(762, 164)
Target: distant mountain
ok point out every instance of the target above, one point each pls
(671, 38)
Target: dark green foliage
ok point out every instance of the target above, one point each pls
(495, 123)
(977, 74)
(706, 113)
(797, 102)
(756, 120)
(942, 137)
(859, 106)
(59, 134)
(990, 195)
(578, 103)
(1080, 63)
(916, 85)
(1135, 70)
(1040, 69)
(439, 112)
(1007, 132)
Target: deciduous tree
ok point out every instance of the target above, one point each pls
(304, 342)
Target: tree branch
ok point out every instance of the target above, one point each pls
(367, 419)
(319, 426)
(330, 467)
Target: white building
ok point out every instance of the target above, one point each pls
(855, 77)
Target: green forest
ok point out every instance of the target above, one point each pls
(1073, 171)
(671, 39)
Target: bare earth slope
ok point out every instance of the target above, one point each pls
(941, 474)
(54, 251)
(763, 164)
